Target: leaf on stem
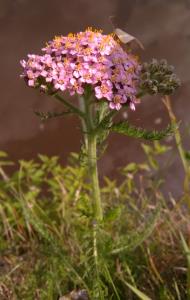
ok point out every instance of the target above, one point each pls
(49, 115)
(138, 132)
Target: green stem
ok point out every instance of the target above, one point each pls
(90, 139)
(93, 171)
(82, 106)
(172, 116)
(70, 106)
(181, 151)
(167, 103)
(91, 143)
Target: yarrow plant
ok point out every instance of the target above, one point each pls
(106, 78)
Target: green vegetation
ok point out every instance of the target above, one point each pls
(47, 235)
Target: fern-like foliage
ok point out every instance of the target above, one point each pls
(137, 239)
(138, 132)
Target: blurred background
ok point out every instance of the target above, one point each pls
(162, 26)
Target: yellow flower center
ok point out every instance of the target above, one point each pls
(57, 41)
(117, 99)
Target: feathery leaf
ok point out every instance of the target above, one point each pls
(138, 132)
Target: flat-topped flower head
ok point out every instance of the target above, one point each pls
(86, 58)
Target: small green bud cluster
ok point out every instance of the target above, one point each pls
(157, 77)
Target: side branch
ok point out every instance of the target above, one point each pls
(70, 106)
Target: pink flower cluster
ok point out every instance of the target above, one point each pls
(71, 62)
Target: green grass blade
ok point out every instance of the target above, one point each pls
(108, 275)
(137, 292)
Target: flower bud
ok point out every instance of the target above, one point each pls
(157, 77)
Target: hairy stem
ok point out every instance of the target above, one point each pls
(82, 106)
(93, 172)
(90, 139)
